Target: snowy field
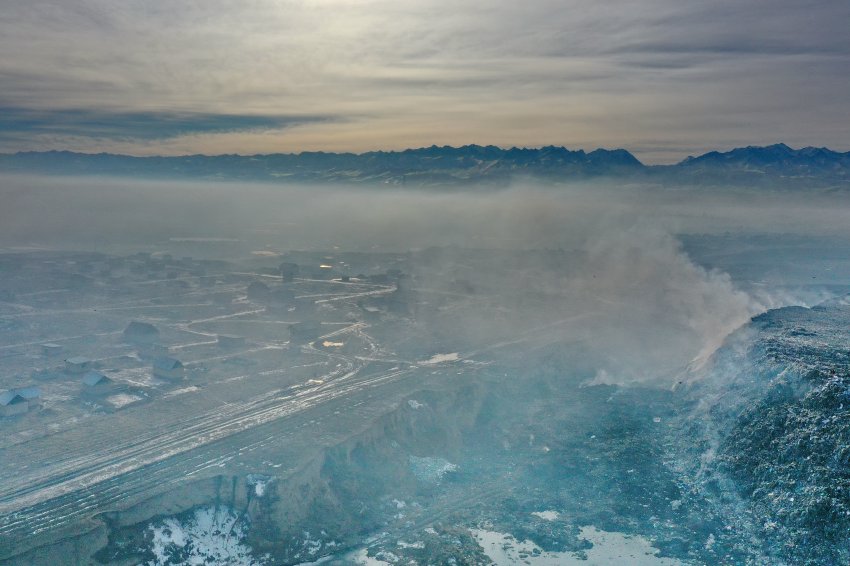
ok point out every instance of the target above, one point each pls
(609, 549)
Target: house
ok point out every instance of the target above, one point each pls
(306, 331)
(12, 404)
(47, 374)
(96, 379)
(141, 333)
(168, 368)
(289, 271)
(51, 350)
(19, 401)
(154, 350)
(77, 365)
(31, 394)
(258, 292)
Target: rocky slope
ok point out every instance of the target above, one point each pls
(769, 433)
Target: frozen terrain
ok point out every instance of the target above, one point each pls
(567, 390)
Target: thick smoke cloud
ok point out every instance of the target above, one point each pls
(597, 266)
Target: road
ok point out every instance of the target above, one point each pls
(105, 471)
(51, 484)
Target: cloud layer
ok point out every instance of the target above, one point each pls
(661, 77)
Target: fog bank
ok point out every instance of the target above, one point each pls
(603, 260)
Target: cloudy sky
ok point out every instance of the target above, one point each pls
(662, 78)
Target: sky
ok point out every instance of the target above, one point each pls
(662, 78)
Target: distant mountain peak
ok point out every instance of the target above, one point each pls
(469, 164)
(778, 161)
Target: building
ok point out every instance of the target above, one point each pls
(154, 350)
(19, 401)
(258, 292)
(77, 365)
(289, 271)
(306, 331)
(51, 350)
(12, 404)
(141, 333)
(168, 368)
(47, 374)
(96, 379)
(31, 394)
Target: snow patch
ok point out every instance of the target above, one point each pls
(609, 549)
(190, 389)
(361, 557)
(546, 515)
(122, 400)
(441, 358)
(213, 535)
(260, 483)
(418, 544)
(430, 469)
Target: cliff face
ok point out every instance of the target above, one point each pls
(344, 488)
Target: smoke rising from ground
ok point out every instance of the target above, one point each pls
(597, 265)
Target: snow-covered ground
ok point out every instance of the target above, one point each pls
(122, 399)
(546, 515)
(614, 549)
(213, 535)
(442, 358)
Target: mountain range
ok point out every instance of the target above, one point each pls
(775, 166)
